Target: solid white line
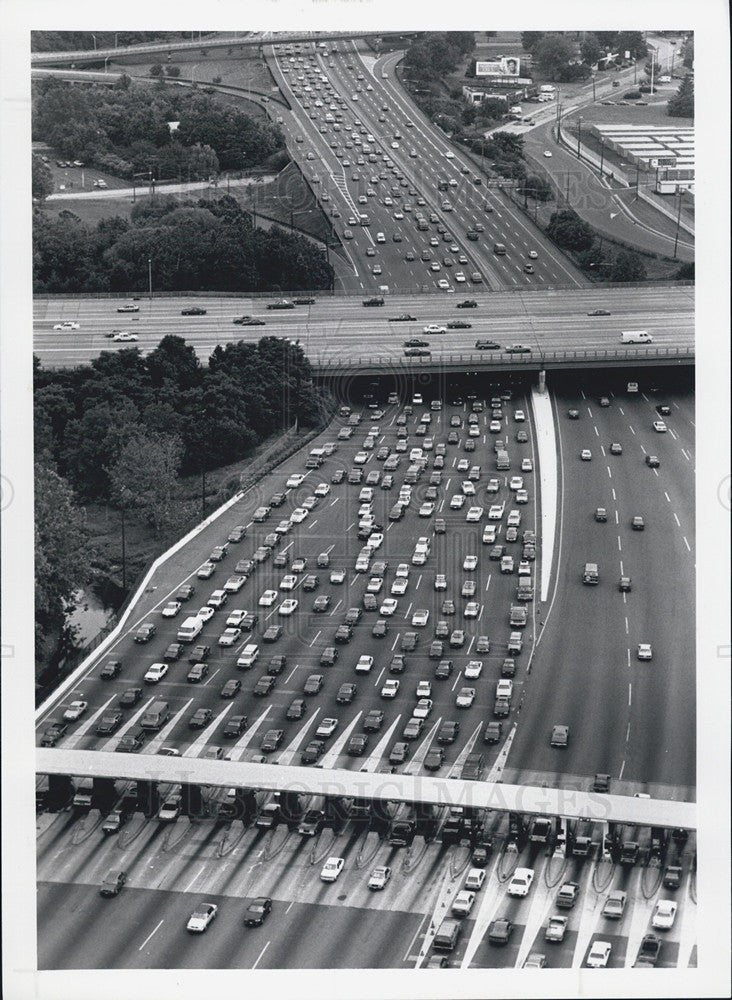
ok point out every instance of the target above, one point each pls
(290, 906)
(151, 934)
(630, 695)
(260, 955)
(408, 952)
(188, 887)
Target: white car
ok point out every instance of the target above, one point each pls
(470, 563)
(434, 328)
(75, 710)
(521, 882)
(468, 488)
(444, 284)
(337, 576)
(206, 613)
(268, 598)
(645, 651)
(419, 558)
(474, 514)
(494, 427)
(427, 509)
(295, 480)
(124, 337)
(472, 610)
(365, 663)
(519, 416)
(475, 879)
(156, 672)
(664, 914)
(331, 869)
(236, 617)
(201, 918)
(463, 903)
(450, 155)
(533, 254)
(374, 585)
(548, 154)
(600, 950)
(379, 877)
(586, 455)
(68, 324)
(287, 607)
(390, 688)
(524, 568)
(288, 582)
(420, 617)
(457, 501)
(514, 518)
(402, 571)
(465, 697)
(516, 483)
(229, 636)
(424, 689)
(473, 670)
(322, 490)
(489, 534)
(659, 426)
(298, 515)
(375, 540)
(522, 496)
(399, 587)
(171, 609)
(527, 465)
(496, 511)
(361, 457)
(388, 607)
(440, 582)
(422, 709)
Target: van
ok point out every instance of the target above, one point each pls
(156, 715)
(189, 629)
(590, 574)
(636, 337)
(502, 461)
(447, 935)
(248, 656)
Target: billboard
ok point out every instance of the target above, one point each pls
(504, 66)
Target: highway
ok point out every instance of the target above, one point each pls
(336, 328)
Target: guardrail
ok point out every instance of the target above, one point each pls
(485, 359)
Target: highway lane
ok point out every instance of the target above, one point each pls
(543, 320)
(645, 732)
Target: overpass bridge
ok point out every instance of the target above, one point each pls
(254, 39)
(569, 804)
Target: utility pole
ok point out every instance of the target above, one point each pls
(566, 197)
(149, 278)
(124, 552)
(602, 154)
(678, 222)
(579, 138)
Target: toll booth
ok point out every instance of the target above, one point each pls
(60, 792)
(239, 803)
(426, 820)
(659, 841)
(192, 804)
(518, 829)
(337, 812)
(147, 798)
(291, 808)
(360, 812)
(104, 794)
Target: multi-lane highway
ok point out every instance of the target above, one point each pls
(340, 329)
(588, 680)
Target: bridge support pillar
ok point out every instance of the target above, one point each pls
(148, 797)
(542, 381)
(60, 791)
(192, 801)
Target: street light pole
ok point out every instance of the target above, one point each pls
(602, 154)
(149, 278)
(579, 138)
(593, 87)
(678, 223)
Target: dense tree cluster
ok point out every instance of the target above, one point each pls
(193, 245)
(435, 54)
(561, 56)
(80, 41)
(681, 105)
(569, 231)
(127, 129)
(124, 427)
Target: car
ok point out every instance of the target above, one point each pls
(230, 636)
(332, 869)
(379, 877)
(614, 905)
(128, 307)
(264, 686)
(107, 724)
(493, 732)
(495, 511)
(257, 911)
(422, 709)
(67, 324)
(130, 697)
(637, 523)
(664, 914)
(556, 928)
(473, 670)
(465, 697)
(249, 321)
(75, 710)
(659, 426)
(155, 673)
(560, 736)
(645, 651)
(517, 349)
(313, 684)
(110, 670)
(186, 592)
(202, 917)
(616, 448)
(287, 608)
(586, 455)
(231, 688)
(146, 632)
(193, 311)
(521, 881)
(112, 883)
(500, 930)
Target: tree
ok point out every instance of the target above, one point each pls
(145, 475)
(685, 272)
(61, 547)
(175, 361)
(553, 54)
(156, 71)
(590, 49)
(682, 104)
(530, 40)
(41, 178)
(536, 187)
(627, 266)
(568, 230)
(633, 42)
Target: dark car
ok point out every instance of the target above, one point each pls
(346, 694)
(199, 653)
(173, 652)
(403, 318)
(399, 753)
(312, 752)
(493, 732)
(114, 821)
(249, 321)
(53, 733)
(409, 642)
(600, 312)
(380, 629)
(415, 342)
(328, 656)
(284, 304)
(304, 300)
(448, 731)
(353, 615)
(321, 604)
(434, 759)
(443, 670)
(112, 883)
(193, 311)
(663, 410)
(373, 721)
(272, 634)
(130, 697)
(500, 931)
(257, 911)
(146, 632)
(357, 745)
(271, 740)
(344, 634)
(185, 593)
(199, 718)
(130, 744)
(244, 567)
(467, 304)
(458, 324)
(197, 672)
(298, 707)
(310, 582)
(235, 726)
(231, 688)
(249, 621)
(108, 723)
(486, 345)
(264, 686)
(237, 533)
(398, 664)
(313, 684)
(652, 461)
(601, 783)
(110, 669)
(573, 414)
(276, 664)
(416, 352)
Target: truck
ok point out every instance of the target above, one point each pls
(156, 715)
(636, 337)
(83, 794)
(517, 616)
(502, 461)
(189, 629)
(590, 574)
